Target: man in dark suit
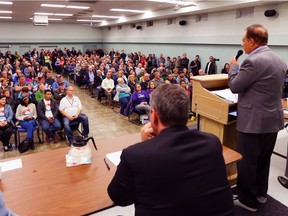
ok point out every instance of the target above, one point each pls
(174, 171)
(258, 82)
(211, 66)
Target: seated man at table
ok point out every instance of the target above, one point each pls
(71, 107)
(174, 170)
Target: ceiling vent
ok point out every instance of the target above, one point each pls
(40, 20)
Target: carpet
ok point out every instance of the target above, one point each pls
(271, 208)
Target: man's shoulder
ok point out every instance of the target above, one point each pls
(181, 137)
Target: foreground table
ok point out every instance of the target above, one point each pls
(45, 186)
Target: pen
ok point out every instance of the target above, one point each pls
(107, 165)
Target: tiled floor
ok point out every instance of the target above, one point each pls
(104, 123)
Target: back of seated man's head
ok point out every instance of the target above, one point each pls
(171, 102)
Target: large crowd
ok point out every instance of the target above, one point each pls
(126, 78)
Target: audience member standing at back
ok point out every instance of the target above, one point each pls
(160, 60)
(184, 62)
(210, 66)
(195, 66)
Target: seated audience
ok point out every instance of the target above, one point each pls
(26, 114)
(59, 79)
(108, 86)
(157, 79)
(98, 82)
(226, 68)
(185, 86)
(5, 85)
(20, 84)
(145, 81)
(48, 112)
(174, 170)
(9, 99)
(140, 100)
(6, 118)
(60, 92)
(182, 77)
(71, 108)
(123, 91)
(151, 87)
(170, 79)
(40, 93)
(132, 80)
(49, 79)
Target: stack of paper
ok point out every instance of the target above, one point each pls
(227, 95)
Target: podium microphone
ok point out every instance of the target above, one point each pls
(239, 53)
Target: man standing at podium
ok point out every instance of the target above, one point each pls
(174, 171)
(258, 82)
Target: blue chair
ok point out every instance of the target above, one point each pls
(19, 129)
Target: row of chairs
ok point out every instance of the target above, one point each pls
(18, 130)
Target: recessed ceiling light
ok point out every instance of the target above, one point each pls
(61, 14)
(4, 17)
(55, 19)
(7, 3)
(184, 3)
(127, 10)
(45, 14)
(8, 12)
(102, 16)
(77, 7)
(65, 6)
(84, 20)
(53, 5)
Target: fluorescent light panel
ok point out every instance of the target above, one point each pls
(172, 2)
(83, 20)
(6, 3)
(61, 14)
(45, 14)
(77, 7)
(55, 19)
(52, 14)
(5, 17)
(53, 5)
(127, 10)
(7, 12)
(64, 6)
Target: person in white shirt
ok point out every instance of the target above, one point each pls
(108, 86)
(71, 107)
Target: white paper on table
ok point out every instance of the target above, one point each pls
(11, 164)
(114, 157)
(227, 95)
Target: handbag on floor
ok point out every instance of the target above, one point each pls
(24, 145)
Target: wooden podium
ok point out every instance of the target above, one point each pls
(213, 111)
